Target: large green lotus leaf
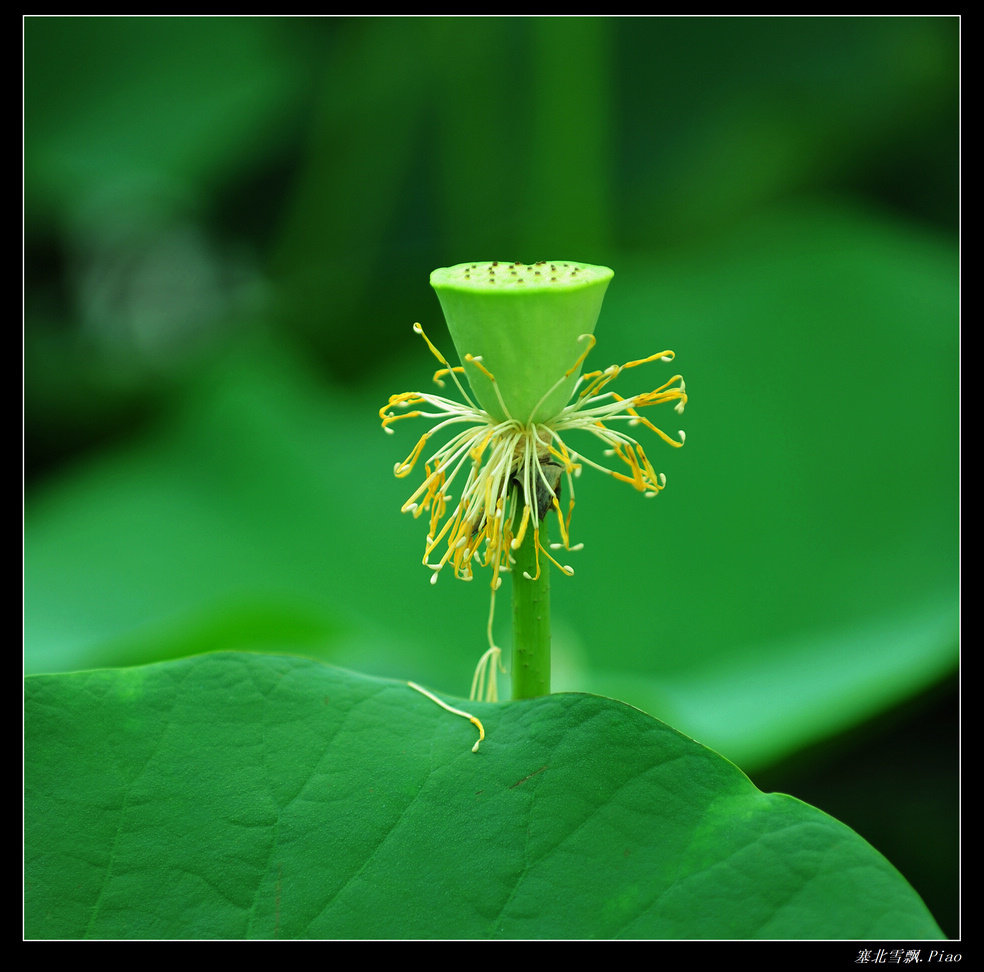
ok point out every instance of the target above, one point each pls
(237, 795)
(797, 576)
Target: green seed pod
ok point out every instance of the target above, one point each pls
(525, 322)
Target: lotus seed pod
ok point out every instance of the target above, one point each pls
(527, 323)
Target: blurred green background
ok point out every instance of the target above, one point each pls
(229, 228)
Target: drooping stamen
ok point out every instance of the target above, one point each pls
(467, 715)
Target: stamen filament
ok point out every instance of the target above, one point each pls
(467, 715)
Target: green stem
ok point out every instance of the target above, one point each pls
(531, 620)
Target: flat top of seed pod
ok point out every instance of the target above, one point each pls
(500, 276)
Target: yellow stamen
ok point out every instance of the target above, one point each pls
(474, 720)
(507, 471)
